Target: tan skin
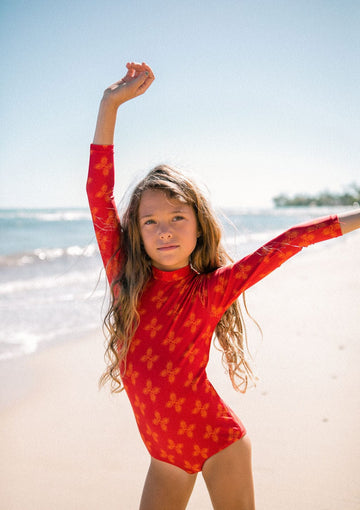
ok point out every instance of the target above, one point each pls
(168, 229)
(227, 474)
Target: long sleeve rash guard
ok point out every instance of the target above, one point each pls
(181, 418)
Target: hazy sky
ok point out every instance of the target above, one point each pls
(256, 97)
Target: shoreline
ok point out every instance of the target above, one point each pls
(67, 445)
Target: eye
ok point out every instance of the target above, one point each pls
(178, 218)
(149, 222)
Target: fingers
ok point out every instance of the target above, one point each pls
(143, 75)
(149, 71)
(134, 69)
(137, 68)
(135, 65)
(143, 83)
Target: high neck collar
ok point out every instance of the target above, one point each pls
(172, 276)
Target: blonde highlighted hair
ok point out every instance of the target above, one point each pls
(122, 318)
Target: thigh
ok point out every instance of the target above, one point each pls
(229, 479)
(167, 487)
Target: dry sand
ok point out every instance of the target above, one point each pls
(64, 445)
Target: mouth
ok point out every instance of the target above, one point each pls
(167, 247)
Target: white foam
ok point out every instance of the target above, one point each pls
(25, 343)
(48, 254)
(47, 215)
(46, 282)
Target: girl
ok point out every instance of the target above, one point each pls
(172, 287)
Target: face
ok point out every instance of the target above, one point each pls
(168, 229)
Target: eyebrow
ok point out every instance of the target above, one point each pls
(177, 211)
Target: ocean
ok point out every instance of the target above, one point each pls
(52, 285)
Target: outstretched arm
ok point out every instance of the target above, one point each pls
(349, 221)
(137, 80)
(234, 279)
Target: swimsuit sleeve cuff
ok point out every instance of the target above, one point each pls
(101, 148)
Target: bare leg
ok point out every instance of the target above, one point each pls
(228, 476)
(167, 487)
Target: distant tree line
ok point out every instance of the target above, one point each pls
(350, 196)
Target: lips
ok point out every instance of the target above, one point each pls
(167, 247)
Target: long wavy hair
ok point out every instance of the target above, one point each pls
(122, 318)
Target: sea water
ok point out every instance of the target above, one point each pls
(52, 284)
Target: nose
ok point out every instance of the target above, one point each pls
(165, 236)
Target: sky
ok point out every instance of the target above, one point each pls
(256, 98)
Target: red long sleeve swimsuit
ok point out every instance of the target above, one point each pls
(181, 418)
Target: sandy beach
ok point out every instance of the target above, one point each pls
(65, 445)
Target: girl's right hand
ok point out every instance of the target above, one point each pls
(137, 80)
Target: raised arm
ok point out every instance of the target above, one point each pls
(137, 80)
(100, 183)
